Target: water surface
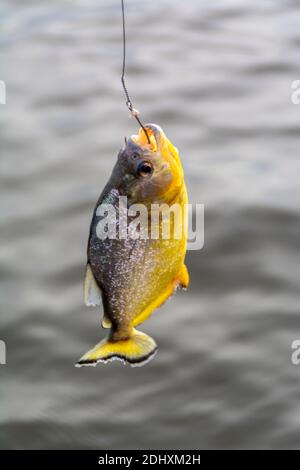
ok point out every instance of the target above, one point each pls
(217, 77)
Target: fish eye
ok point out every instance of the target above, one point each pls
(144, 169)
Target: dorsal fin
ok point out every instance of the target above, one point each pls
(91, 290)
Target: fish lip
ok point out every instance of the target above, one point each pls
(157, 130)
(158, 133)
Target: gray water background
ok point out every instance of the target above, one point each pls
(217, 77)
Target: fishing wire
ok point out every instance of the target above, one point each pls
(134, 112)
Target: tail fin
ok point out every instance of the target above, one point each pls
(136, 350)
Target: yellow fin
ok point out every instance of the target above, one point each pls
(91, 290)
(183, 277)
(106, 323)
(138, 349)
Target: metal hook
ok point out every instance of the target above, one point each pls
(133, 112)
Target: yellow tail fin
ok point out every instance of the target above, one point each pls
(136, 350)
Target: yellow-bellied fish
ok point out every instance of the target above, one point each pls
(133, 276)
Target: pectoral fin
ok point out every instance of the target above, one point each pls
(91, 290)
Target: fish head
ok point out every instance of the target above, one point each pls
(149, 172)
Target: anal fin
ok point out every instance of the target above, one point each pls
(183, 277)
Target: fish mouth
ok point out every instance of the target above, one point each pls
(159, 144)
(155, 134)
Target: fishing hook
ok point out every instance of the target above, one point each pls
(134, 112)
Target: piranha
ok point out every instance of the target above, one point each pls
(133, 275)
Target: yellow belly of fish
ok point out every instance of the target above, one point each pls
(182, 279)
